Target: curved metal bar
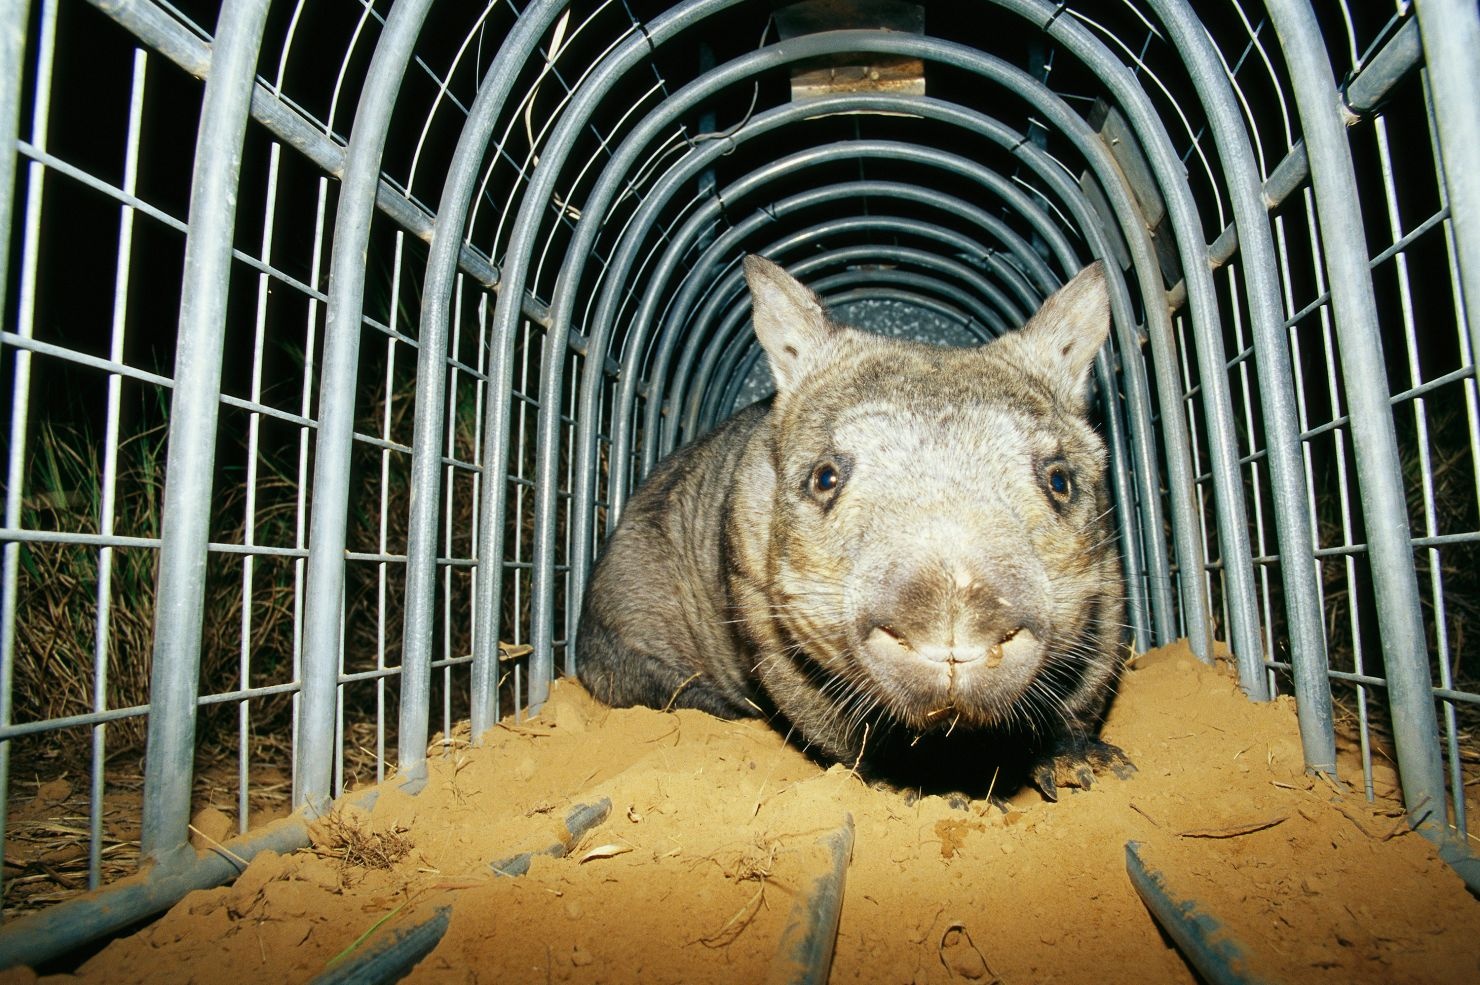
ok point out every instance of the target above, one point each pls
(1298, 568)
(1204, 941)
(1451, 44)
(174, 680)
(921, 289)
(14, 24)
(13, 21)
(426, 455)
(741, 347)
(1222, 429)
(1379, 468)
(1015, 308)
(314, 750)
(721, 251)
(686, 385)
(989, 310)
(926, 285)
(737, 361)
(804, 953)
(735, 370)
(532, 209)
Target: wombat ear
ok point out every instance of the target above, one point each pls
(790, 322)
(1062, 339)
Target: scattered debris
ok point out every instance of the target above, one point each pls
(340, 835)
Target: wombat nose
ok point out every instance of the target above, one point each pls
(887, 641)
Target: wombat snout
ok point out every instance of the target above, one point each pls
(943, 616)
(886, 642)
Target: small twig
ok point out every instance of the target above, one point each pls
(454, 884)
(660, 738)
(723, 937)
(1233, 831)
(861, 747)
(1142, 811)
(678, 690)
(760, 797)
(233, 856)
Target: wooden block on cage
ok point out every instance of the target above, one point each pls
(905, 76)
(854, 73)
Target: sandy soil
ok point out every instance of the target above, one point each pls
(714, 825)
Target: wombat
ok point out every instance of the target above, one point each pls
(906, 560)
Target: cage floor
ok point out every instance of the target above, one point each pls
(692, 876)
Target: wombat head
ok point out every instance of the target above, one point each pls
(939, 545)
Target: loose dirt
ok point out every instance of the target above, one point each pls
(693, 875)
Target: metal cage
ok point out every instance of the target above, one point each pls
(337, 334)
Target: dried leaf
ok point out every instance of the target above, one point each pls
(605, 851)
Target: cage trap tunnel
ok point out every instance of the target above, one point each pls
(384, 310)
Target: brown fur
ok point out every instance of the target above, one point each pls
(912, 542)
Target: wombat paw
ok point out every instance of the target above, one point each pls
(1076, 763)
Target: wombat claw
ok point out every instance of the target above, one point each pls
(1076, 766)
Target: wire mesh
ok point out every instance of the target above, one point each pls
(397, 483)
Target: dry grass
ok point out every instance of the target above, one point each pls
(47, 856)
(60, 667)
(348, 839)
(1449, 504)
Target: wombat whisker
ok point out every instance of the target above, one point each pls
(1035, 716)
(843, 689)
(819, 590)
(863, 707)
(1013, 713)
(1045, 698)
(1102, 545)
(835, 690)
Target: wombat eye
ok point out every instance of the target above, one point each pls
(825, 480)
(1060, 484)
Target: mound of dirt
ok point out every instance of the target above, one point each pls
(714, 824)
